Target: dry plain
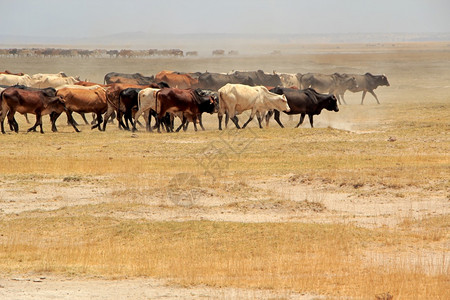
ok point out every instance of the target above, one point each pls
(355, 207)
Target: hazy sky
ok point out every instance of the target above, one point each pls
(88, 18)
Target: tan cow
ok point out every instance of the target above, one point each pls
(85, 101)
(146, 102)
(39, 76)
(176, 79)
(54, 81)
(237, 98)
(10, 80)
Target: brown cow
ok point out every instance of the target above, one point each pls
(88, 83)
(136, 78)
(28, 101)
(176, 79)
(11, 73)
(195, 102)
(84, 101)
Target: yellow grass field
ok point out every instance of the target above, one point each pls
(356, 207)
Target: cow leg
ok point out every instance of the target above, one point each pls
(4, 111)
(220, 117)
(136, 116)
(363, 95)
(121, 125)
(146, 120)
(99, 121)
(373, 94)
(179, 127)
(268, 116)
(252, 115)
(158, 123)
(71, 120)
(227, 118)
(2, 119)
(12, 121)
(26, 118)
(302, 117)
(108, 114)
(38, 121)
(83, 116)
(236, 122)
(111, 119)
(277, 118)
(194, 120)
(53, 117)
(201, 122)
(343, 100)
(311, 120)
(13, 124)
(93, 119)
(259, 117)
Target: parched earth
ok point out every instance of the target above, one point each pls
(25, 288)
(294, 201)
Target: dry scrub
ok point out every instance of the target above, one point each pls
(325, 259)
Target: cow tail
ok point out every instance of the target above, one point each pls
(1, 99)
(156, 101)
(139, 100)
(118, 103)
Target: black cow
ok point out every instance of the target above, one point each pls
(128, 100)
(367, 83)
(214, 81)
(304, 102)
(136, 78)
(261, 78)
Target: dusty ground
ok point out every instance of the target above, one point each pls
(92, 288)
(293, 196)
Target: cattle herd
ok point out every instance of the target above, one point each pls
(169, 94)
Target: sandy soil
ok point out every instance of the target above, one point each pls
(42, 287)
(300, 202)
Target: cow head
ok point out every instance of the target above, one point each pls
(281, 103)
(384, 80)
(55, 104)
(331, 103)
(207, 100)
(350, 83)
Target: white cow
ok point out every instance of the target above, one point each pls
(146, 102)
(290, 80)
(7, 79)
(53, 81)
(74, 86)
(237, 98)
(39, 76)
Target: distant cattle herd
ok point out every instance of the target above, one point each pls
(170, 94)
(113, 53)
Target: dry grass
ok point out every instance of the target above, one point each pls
(325, 259)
